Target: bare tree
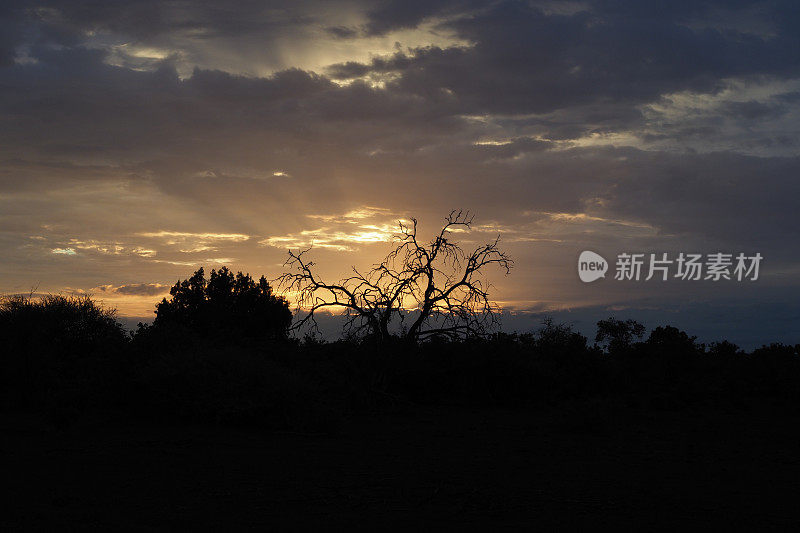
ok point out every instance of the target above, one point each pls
(432, 288)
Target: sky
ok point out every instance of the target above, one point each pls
(141, 140)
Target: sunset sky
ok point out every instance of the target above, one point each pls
(143, 139)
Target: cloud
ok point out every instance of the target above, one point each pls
(250, 38)
(135, 289)
(176, 236)
(355, 215)
(342, 32)
(344, 232)
(534, 61)
(111, 248)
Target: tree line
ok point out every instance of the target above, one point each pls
(226, 348)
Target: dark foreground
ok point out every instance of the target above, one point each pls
(585, 465)
(185, 426)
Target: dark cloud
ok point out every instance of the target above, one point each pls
(342, 32)
(722, 198)
(136, 289)
(148, 19)
(525, 60)
(401, 14)
(753, 110)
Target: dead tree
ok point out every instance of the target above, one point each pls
(431, 289)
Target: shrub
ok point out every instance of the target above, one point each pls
(59, 349)
(225, 308)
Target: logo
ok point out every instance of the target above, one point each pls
(716, 266)
(591, 266)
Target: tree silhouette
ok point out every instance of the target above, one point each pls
(670, 341)
(618, 334)
(432, 289)
(225, 306)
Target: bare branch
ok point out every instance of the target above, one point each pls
(438, 282)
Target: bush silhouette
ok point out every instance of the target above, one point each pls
(618, 334)
(58, 349)
(225, 307)
(67, 321)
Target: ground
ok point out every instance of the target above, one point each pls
(573, 466)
